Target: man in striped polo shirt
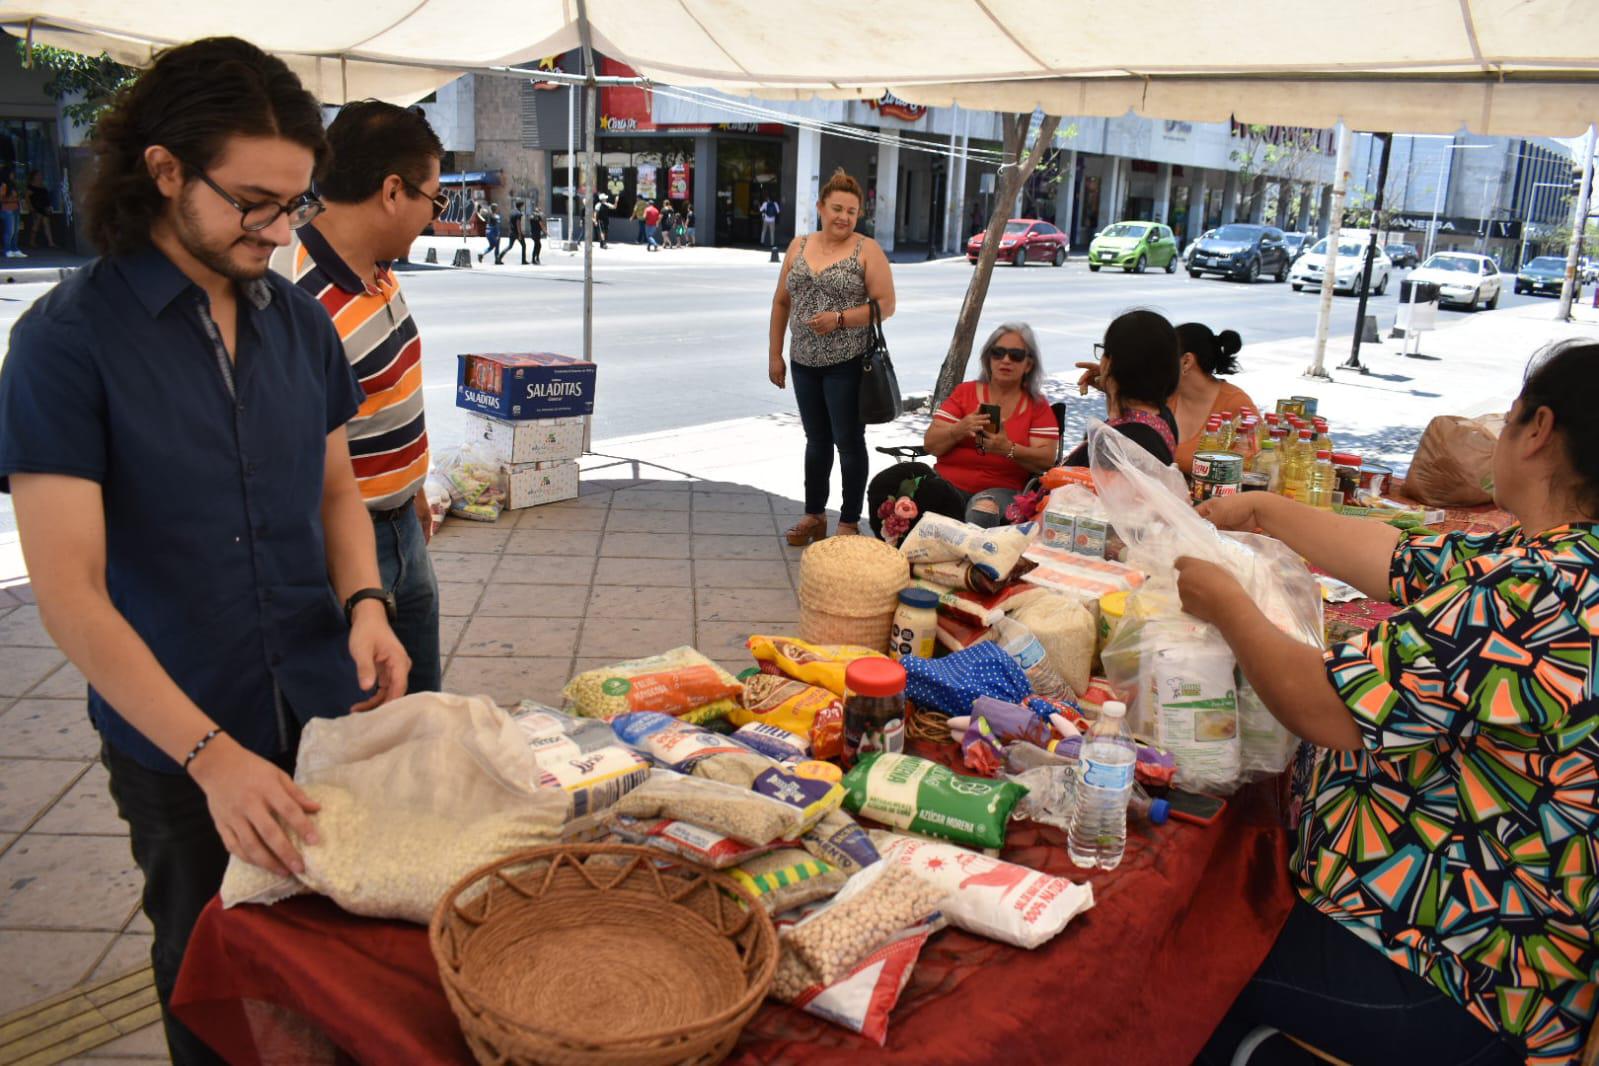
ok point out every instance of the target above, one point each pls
(381, 188)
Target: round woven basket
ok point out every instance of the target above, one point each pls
(592, 954)
(848, 590)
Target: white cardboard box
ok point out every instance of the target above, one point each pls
(541, 440)
(533, 484)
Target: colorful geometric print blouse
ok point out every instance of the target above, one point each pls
(1462, 841)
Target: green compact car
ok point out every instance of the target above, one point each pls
(1133, 246)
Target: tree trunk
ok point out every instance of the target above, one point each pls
(1012, 176)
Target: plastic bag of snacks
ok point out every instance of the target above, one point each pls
(862, 1000)
(822, 665)
(437, 491)
(788, 878)
(876, 903)
(740, 813)
(776, 700)
(990, 897)
(908, 792)
(687, 841)
(949, 684)
(680, 682)
(477, 488)
(840, 843)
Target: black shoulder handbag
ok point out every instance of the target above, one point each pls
(880, 401)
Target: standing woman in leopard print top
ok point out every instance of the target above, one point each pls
(821, 301)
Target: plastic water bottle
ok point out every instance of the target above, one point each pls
(1028, 652)
(1098, 833)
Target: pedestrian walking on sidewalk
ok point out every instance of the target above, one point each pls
(652, 225)
(770, 209)
(535, 232)
(668, 224)
(602, 219)
(826, 315)
(10, 217)
(40, 210)
(639, 207)
(381, 190)
(490, 214)
(209, 635)
(518, 230)
(688, 224)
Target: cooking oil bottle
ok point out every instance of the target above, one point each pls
(1322, 480)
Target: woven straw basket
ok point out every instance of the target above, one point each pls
(848, 590)
(589, 954)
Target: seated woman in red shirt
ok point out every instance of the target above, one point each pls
(992, 465)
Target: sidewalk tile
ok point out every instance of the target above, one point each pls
(140, 1046)
(21, 628)
(29, 786)
(734, 605)
(588, 501)
(624, 521)
(727, 641)
(459, 535)
(677, 573)
(743, 525)
(736, 574)
(575, 519)
(646, 545)
(450, 629)
(140, 922)
(528, 601)
(68, 882)
(86, 808)
(462, 566)
(616, 639)
(49, 729)
(717, 546)
(65, 684)
(23, 668)
(647, 500)
(459, 597)
(542, 637)
(665, 484)
(553, 542)
(734, 502)
(544, 569)
(506, 681)
(128, 952)
(723, 487)
(640, 601)
(55, 962)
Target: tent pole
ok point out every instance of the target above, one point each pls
(590, 101)
(1578, 225)
(1371, 253)
(1335, 221)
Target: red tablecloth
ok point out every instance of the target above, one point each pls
(1143, 977)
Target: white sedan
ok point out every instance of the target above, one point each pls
(1308, 268)
(1467, 280)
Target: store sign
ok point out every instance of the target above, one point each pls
(677, 182)
(1497, 229)
(892, 106)
(553, 64)
(644, 184)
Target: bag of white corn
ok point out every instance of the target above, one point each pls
(1067, 631)
(415, 795)
(990, 897)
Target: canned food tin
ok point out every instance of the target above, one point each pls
(1291, 406)
(1217, 474)
(1309, 404)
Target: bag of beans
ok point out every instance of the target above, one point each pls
(694, 843)
(840, 843)
(680, 682)
(740, 813)
(877, 903)
(788, 878)
(862, 1000)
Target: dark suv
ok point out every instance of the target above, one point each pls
(1403, 255)
(1242, 251)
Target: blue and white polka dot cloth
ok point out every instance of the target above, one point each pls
(949, 685)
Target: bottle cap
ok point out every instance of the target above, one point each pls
(1108, 709)
(926, 598)
(1159, 811)
(875, 677)
(1307, 434)
(1324, 454)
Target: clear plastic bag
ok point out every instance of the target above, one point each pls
(477, 487)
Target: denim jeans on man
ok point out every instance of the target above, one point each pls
(829, 400)
(11, 221)
(407, 573)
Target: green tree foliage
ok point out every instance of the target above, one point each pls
(85, 83)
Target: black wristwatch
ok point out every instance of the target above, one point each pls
(369, 594)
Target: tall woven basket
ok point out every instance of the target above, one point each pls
(593, 955)
(848, 590)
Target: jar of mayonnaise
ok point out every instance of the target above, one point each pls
(915, 629)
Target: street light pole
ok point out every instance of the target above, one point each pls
(1371, 253)
(1579, 223)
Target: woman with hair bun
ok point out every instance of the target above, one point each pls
(1200, 393)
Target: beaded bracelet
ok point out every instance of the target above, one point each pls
(198, 748)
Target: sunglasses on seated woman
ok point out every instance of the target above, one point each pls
(1015, 355)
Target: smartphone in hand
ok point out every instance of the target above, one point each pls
(993, 413)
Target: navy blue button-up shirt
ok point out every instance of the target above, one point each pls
(211, 473)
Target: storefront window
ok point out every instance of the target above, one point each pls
(629, 169)
(747, 171)
(27, 145)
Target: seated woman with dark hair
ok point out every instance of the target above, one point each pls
(1138, 369)
(990, 463)
(1200, 393)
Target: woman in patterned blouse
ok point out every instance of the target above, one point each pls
(1448, 859)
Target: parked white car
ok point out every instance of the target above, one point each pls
(1463, 279)
(1308, 268)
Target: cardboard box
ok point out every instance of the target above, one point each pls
(540, 440)
(521, 387)
(533, 484)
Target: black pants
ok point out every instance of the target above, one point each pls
(176, 846)
(1326, 986)
(829, 401)
(538, 244)
(514, 241)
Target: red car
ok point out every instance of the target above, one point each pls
(1024, 239)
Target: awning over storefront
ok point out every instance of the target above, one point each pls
(1493, 66)
(487, 178)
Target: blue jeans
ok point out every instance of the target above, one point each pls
(979, 516)
(641, 228)
(829, 400)
(11, 221)
(650, 233)
(408, 574)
